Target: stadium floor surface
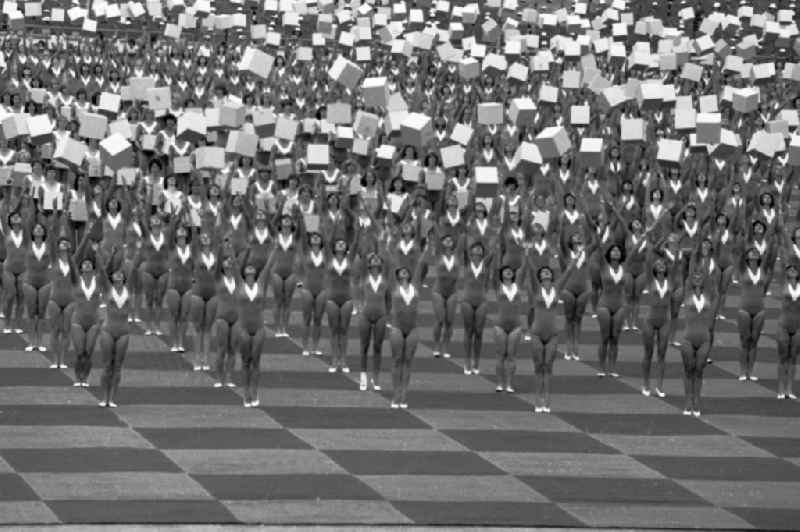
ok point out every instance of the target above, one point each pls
(319, 452)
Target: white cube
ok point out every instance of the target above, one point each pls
(490, 113)
(522, 111)
(417, 130)
(116, 152)
(591, 152)
(257, 62)
(553, 142)
(375, 91)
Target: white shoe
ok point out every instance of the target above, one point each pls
(660, 393)
(62, 366)
(687, 412)
(375, 385)
(78, 385)
(362, 382)
(567, 356)
(601, 374)
(498, 388)
(148, 332)
(102, 404)
(395, 405)
(331, 369)
(8, 331)
(645, 392)
(230, 385)
(509, 389)
(345, 369)
(317, 353)
(217, 385)
(696, 413)
(29, 348)
(527, 338)
(306, 352)
(403, 405)
(467, 371)
(197, 367)
(436, 354)
(53, 366)
(791, 396)
(614, 374)
(537, 410)
(476, 371)
(781, 396)
(255, 403)
(18, 331)
(575, 357)
(753, 378)
(206, 367)
(247, 404)
(85, 384)
(173, 349)
(112, 404)
(546, 409)
(42, 349)
(742, 378)
(445, 355)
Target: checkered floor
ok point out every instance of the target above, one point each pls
(319, 451)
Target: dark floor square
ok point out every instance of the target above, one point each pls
(14, 488)
(490, 400)
(173, 395)
(614, 490)
(639, 424)
(33, 377)
(302, 380)
(223, 438)
(529, 441)
(286, 487)
(412, 463)
(344, 418)
(88, 460)
(58, 415)
(155, 511)
(769, 518)
(154, 360)
(12, 342)
(783, 447)
(722, 468)
(744, 406)
(483, 513)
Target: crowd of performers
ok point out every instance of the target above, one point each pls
(657, 254)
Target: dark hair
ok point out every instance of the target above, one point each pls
(504, 268)
(621, 253)
(541, 270)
